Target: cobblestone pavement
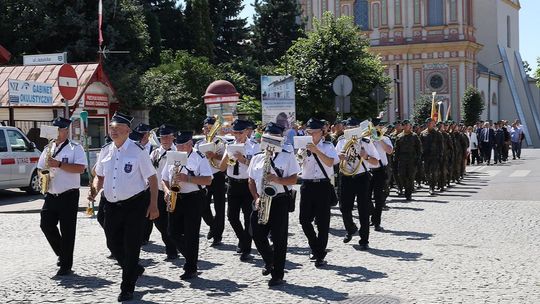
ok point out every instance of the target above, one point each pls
(444, 249)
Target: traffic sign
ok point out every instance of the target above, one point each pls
(68, 83)
(342, 85)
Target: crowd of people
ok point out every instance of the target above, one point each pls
(141, 189)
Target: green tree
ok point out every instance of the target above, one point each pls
(172, 24)
(230, 31)
(422, 109)
(199, 35)
(537, 72)
(173, 90)
(276, 25)
(334, 47)
(473, 105)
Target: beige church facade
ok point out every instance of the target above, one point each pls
(444, 46)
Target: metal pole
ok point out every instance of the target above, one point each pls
(11, 116)
(398, 92)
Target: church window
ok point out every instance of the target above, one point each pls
(397, 11)
(361, 14)
(384, 12)
(435, 12)
(508, 33)
(453, 10)
(436, 81)
(417, 11)
(376, 14)
(345, 10)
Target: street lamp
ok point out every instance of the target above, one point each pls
(489, 88)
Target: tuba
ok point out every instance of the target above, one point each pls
(177, 159)
(353, 136)
(269, 144)
(217, 141)
(51, 133)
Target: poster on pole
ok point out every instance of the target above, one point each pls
(278, 100)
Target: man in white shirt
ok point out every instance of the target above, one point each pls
(159, 161)
(238, 195)
(124, 172)
(185, 219)
(317, 193)
(65, 164)
(282, 174)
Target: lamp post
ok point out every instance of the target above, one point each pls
(489, 89)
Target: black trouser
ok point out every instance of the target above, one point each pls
(185, 226)
(162, 224)
(239, 197)
(475, 156)
(147, 230)
(516, 149)
(277, 225)
(124, 229)
(357, 187)
(486, 149)
(377, 185)
(62, 208)
(497, 153)
(216, 191)
(315, 200)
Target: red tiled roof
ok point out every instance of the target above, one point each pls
(46, 74)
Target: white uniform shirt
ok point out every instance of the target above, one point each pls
(370, 150)
(125, 170)
(380, 149)
(220, 150)
(148, 148)
(285, 162)
(251, 148)
(197, 163)
(159, 157)
(310, 167)
(61, 180)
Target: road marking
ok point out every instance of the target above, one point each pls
(475, 168)
(520, 173)
(492, 173)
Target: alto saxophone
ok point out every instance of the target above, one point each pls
(175, 188)
(269, 190)
(45, 173)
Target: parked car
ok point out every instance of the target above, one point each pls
(18, 161)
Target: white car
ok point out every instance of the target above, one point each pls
(18, 161)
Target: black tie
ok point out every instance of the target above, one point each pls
(236, 167)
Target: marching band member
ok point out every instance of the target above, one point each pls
(316, 190)
(125, 171)
(185, 219)
(282, 173)
(66, 162)
(378, 182)
(159, 160)
(238, 194)
(357, 186)
(216, 190)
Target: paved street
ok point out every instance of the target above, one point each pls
(477, 243)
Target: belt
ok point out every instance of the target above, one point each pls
(63, 193)
(237, 180)
(126, 201)
(378, 169)
(280, 195)
(318, 180)
(356, 175)
(191, 193)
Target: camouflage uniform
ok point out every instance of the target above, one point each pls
(448, 159)
(393, 164)
(408, 152)
(432, 154)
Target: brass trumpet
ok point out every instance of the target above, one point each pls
(175, 189)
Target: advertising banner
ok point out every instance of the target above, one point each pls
(28, 93)
(278, 100)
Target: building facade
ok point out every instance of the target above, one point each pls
(444, 46)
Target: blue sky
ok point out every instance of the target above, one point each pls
(529, 24)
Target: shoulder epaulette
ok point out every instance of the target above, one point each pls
(139, 145)
(201, 154)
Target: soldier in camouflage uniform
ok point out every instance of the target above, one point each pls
(431, 153)
(464, 150)
(420, 171)
(444, 155)
(408, 152)
(395, 174)
(448, 154)
(456, 163)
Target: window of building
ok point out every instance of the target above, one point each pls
(508, 33)
(384, 12)
(494, 99)
(417, 11)
(435, 12)
(397, 11)
(453, 10)
(361, 14)
(436, 81)
(345, 11)
(469, 12)
(375, 15)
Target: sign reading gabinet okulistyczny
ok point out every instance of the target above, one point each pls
(29, 93)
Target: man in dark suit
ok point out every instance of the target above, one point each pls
(487, 140)
(499, 142)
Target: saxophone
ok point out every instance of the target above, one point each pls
(269, 190)
(45, 173)
(175, 188)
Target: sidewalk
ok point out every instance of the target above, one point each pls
(17, 201)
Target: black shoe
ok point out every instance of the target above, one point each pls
(363, 247)
(171, 257)
(275, 282)
(320, 262)
(140, 270)
(245, 256)
(267, 270)
(378, 228)
(216, 242)
(210, 234)
(64, 272)
(58, 263)
(347, 238)
(408, 198)
(188, 275)
(125, 296)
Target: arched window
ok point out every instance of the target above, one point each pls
(494, 99)
(417, 12)
(435, 12)
(345, 11)
(397, 11)
(453, 10)
(483, 96)
(375, 15)
(361, 14)
(384, 12)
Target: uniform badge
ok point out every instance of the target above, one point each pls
(128, 168)
(65, 160)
